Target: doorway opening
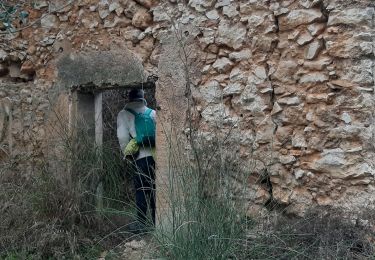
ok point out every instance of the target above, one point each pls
(109, 178)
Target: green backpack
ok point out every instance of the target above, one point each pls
(144, 127)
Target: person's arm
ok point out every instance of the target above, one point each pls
(122, 130)
(153, 115)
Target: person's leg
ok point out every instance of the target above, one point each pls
(150, 186)
(152, 197)
(140, 196)
(145, 188)
(153, 204)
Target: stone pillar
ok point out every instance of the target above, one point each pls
(98, 119)
(171, 99)
(98, 100)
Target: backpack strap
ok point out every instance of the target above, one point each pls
(148, 111)
(131, 111)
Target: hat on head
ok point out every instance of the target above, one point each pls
(136, 95)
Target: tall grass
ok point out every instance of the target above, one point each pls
(206, 221)
(205, 213)
(202, 220)
(206, 218)
(323, 233)
(58, 211)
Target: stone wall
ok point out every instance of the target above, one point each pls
(292, 80)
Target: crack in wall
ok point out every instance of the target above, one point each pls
(271, 203)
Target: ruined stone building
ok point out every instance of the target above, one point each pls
(292, 80)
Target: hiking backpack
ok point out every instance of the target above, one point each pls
(144, 127)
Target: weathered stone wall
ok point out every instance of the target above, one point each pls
(292, 80)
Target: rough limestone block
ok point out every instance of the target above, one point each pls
(355, 16)
(285, 71)
(233, 89)
(230, 10)
(200, 5)
(316, 28)
(222, 65)
(231, 35)
(319, 64)
(349, 45)
(211, 92)
(313, 77)
(298, 17)
(312, 51)
(244, 54)
(142, 19)
(304, 38)
(99, 68)
(290, 101)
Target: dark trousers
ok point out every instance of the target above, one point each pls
(144, 182)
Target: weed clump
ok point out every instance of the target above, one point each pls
(203, 219)
(46, 216)
(323, 233)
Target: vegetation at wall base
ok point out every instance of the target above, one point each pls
(40, 219)
(43, 219)
(203, 221)
(323, 233)
(48, 215)
(207, 221)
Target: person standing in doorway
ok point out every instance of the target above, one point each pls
(136, 135)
